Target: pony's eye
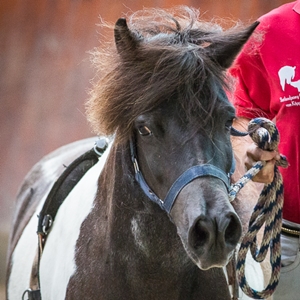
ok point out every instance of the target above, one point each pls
(228, 124)
(144, 131)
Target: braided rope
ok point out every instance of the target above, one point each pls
(268, 211)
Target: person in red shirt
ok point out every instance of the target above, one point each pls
(267, 74)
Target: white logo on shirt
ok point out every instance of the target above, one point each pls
(286, 74)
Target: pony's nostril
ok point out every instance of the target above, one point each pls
(233, 230)
(200, 234)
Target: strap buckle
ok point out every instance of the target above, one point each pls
(46, 224)
(32, 295)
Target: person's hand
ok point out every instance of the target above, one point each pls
(254, 154)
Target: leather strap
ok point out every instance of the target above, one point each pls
(62, 187)
(287, 230)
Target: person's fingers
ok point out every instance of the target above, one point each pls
(258, 154)
(254, 154)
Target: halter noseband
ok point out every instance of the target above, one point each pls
(184, 179)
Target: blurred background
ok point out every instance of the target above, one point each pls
(46, 72)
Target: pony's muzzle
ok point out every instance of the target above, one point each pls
(213, 240)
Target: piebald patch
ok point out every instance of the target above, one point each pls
(58, 260)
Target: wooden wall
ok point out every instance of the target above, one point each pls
(45, 73)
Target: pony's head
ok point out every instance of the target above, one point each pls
(163, 87)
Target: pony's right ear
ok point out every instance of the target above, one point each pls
(125, 39)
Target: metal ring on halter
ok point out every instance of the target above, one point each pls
(32, 294)
(100, 146)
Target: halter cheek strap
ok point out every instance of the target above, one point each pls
(184, 179)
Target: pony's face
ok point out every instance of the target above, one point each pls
(166, 89)
(168, 145)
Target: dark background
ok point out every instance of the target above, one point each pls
(46, 72)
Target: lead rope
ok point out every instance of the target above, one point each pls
(268, 211)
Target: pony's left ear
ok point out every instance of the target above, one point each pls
(225, 49)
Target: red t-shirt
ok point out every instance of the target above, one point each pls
(268, 84)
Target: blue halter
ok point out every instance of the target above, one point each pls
(185, 178)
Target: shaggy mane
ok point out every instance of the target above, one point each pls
(170, 63)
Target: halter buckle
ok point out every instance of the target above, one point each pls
(136, 165)
(46, 224)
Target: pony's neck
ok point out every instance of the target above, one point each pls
(148, 229)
